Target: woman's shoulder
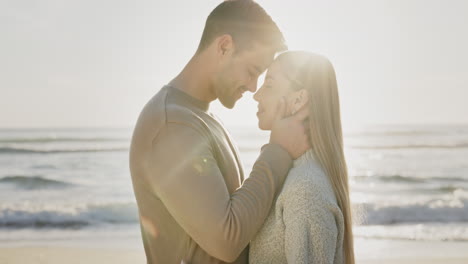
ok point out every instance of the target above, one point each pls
(308, 181)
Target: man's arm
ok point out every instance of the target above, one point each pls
(186, 177)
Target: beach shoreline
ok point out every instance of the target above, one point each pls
(130, 250)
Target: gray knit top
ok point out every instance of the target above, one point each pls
(305, 225)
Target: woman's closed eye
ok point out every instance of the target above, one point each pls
(252, 73)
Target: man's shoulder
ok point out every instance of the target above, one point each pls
(160, 120)
(162, 111)
(159, 112)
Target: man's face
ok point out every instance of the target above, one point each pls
(239, 73)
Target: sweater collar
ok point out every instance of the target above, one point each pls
(304, 158)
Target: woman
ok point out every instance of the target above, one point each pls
(311, 220)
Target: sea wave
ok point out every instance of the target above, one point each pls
(69, 217)
(62, 139)
(14, 150)
(437, 211)
(426, 232)
(409, 179)
(33, 182)
(411, 146)
(384, 131)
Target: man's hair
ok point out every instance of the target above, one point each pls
(246, 22)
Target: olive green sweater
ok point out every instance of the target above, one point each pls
(194, 204)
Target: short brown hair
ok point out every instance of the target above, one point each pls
(247, 23)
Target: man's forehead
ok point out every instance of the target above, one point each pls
(268, 61)
(261, 56)
(272, 71)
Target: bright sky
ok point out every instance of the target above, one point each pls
(96, 63)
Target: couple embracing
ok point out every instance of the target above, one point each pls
(195, 203)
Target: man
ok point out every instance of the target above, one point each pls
(194, 204)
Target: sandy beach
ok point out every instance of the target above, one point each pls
(71, 255)
(122, 252)
(383, 251)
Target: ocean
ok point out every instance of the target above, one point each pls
(407, 182)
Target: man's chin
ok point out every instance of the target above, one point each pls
(228, 103)
(262, 126)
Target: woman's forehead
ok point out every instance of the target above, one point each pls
(275, 72)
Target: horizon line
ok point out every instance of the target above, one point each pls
(363, 125)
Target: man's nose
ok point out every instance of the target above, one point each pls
(256, 96)
(252, 86)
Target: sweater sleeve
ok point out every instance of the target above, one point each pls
(310, 228)
(186, 177)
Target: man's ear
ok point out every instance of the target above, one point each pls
(225, 45)
(298, 100)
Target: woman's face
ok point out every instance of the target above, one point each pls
(275, 86)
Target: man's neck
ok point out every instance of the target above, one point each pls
(194, 80)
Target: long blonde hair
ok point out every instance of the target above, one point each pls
(315, 73)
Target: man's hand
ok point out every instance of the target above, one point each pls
(290, 132)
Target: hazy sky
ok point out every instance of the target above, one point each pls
(96, 63)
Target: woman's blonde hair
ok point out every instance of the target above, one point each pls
(315, 73)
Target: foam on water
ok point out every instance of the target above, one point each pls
(33, 182)
(49, 150)
(426, 231)
(434, 211)
(67, 216)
